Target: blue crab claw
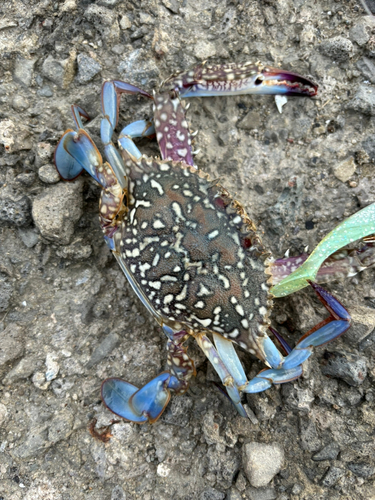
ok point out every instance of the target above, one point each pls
(236, 79)
(139, 405)
(76, 152)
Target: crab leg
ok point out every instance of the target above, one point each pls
(324, 332)
(237, 79)
(149, 402)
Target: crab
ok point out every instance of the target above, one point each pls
(188, 249)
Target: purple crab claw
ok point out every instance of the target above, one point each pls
(236, 79)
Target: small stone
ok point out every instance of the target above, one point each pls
(329, 452)
(26, 178)
(29, 237)
(23, 71)
(125, 22)
(143, 70)
(45, 91)
(107, 3)
(172, 5)
(88, 68)
(6, 292)
(361, 469)
(39, 380)
(233, 494)
(250, 121)
(23, 369)
(48, 174)
(61, 427)
(310, 440)
(105, 348)
(118, 493)
(75, 251)
(262, 462)
(367, 68)
(344, 170)
(52, 367)
(261, 494)
(69, 6)
(14, 209)
(105, 21)
(339, 48)
(43, 153)
(53, 69)
(349, 367)
(360, 33)
(332, 476)
(11, 343)
(211, 494)
(203, 50)
(3, 414)
(35, 442)
(20, 103)
(364, 100)
(57, 209)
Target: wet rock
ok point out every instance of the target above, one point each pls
(23, 71)
(346, 366)
(262, 462)
(339, 48)
(11, 343)
(360, 32)
(332, 476)
(329, 452)
(57, 209)
(211, 494)
(361, 469)
(364, 100)
(88, 68)
(6, 292)
(344, 170)
(15, 209)
(104, 349)
(48, 174)
(367, 67)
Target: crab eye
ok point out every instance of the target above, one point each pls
(259, 80)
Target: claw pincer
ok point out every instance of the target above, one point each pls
(188, 249)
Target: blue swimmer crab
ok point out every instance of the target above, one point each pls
(189, 250)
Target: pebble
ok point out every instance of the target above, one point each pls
(53, 69)
(361, 469)
(364, 100)
(233, 494)
(104, 349)
(211, 494)
(14, 209)
(57, 209)
(20, 103)
(52, 366)
(367, 68)
(61, 426)
(29, 237)
(125, 22)
(338, 48)
(310, 440)
(23, 71)
(48, 174)
(143, 70)
(261, 494)
(203, 50)
(3, 413)
(262, 462)
(346, 366)
(332, 476)
(23, 369)
(43, 153)
(329, 452)
(88, 68)
(45, 91)
(345, 169)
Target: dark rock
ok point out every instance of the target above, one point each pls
(329, 452)
(332, 476)
(361, 469)
(364, 100)
(105, 348)
(15, 209)
(211, 494)
(338, 48)
(88, 68)
(346, 366)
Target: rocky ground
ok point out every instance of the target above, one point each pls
(68, 317)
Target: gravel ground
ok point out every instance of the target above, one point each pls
(68, 317)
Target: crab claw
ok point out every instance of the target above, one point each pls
(236, 79)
